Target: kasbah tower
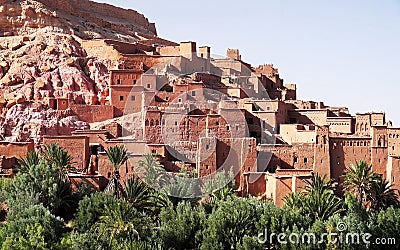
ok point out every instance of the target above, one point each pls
(280, 141)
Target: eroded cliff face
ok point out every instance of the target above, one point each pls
(27, 121)
(41, 56)
(34, 68)
(83, 18)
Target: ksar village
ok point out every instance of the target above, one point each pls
(115, 138)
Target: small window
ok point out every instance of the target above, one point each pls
(121, 98)
(153, 151)
(295, 159)
(167, 98)
(207, 147)
(237, 127)
(207, 167)
(217, 123)
(305, 160)
(148, 85)
(193, 93)
(133, 98)
(134, 82)
(176, 123)
(119, 81)
(228, 127)
(179, 100)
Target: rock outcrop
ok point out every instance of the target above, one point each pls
(41, 57)
(33, 120)
(83, 18)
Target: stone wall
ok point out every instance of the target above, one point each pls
(93, 113)
(77, 147)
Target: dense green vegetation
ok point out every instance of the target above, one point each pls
(45, 212)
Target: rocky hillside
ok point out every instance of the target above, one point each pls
(41, 56)
(83, 18)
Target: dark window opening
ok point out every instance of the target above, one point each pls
(295, 159)
(134, 82)
(121, 98)
(305, 160)
(133, 98)
(119, 81)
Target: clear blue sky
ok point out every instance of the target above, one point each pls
(345, 53)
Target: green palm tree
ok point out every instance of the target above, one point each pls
(151, 171)
(58, 157)
(294, 202)
(360, 180)
(121, 221)
(118, 155)
(382, 195)
(142, 197)
(322, 205)
(317, 199)
(319, 184)
(26, 163)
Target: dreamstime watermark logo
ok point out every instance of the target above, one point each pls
(334, 238)
(198, 111)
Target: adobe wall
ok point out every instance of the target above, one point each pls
(282, 188)
(121, 95)
(303, 155)
(77, 147)
(317, 117)
(136, 151)
(152, 131)
(347, 151)
(169, 50)
(297, 133)
(142, 62)
(10, 152)
(344, 125)
(255, 184)
(393, 141)
(285, 182)
(393, 172)
(114, 129)
(16, 149)
(282, 157)
(207, 156)
(125, 77)
(93, 113)
(95, 136)
(322, 158)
